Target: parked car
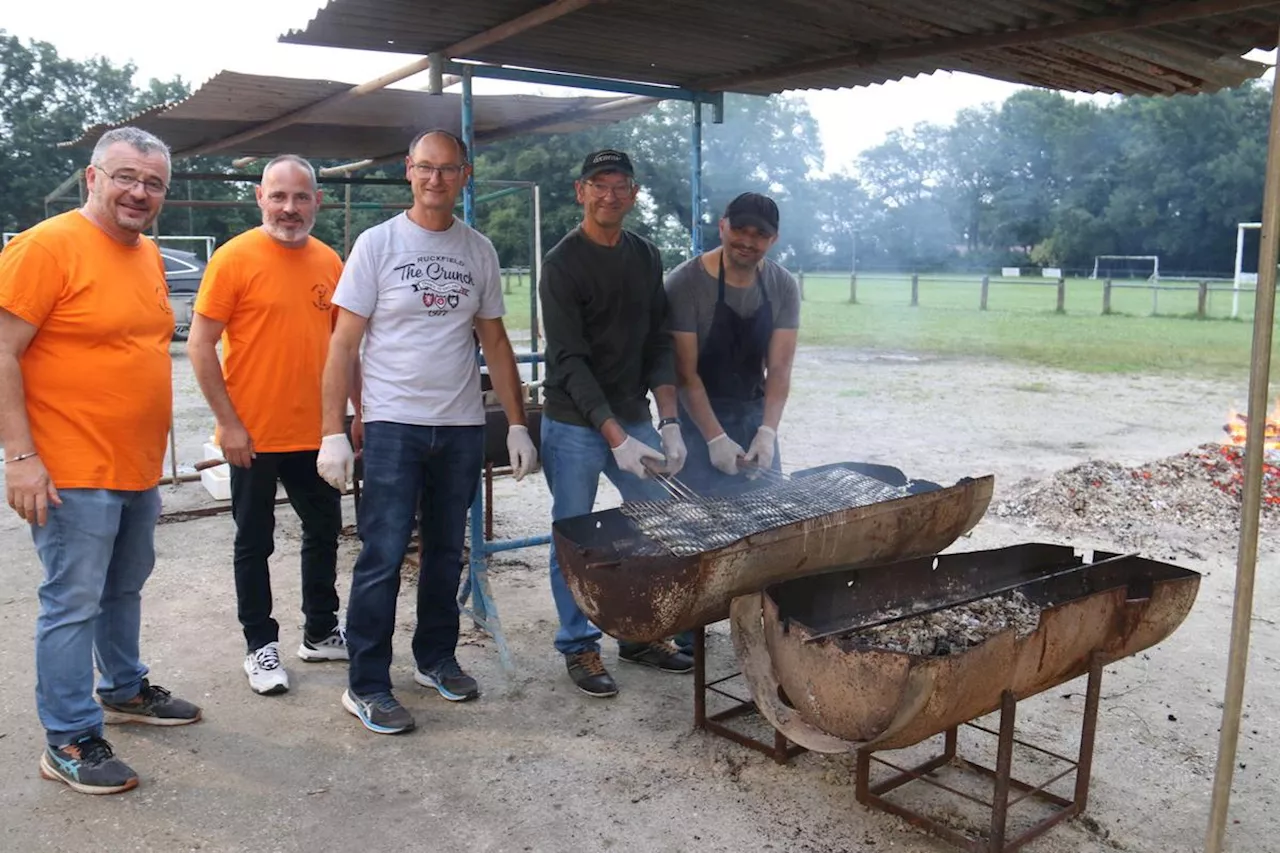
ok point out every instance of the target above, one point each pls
(183, 271)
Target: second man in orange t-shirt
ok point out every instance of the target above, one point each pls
(266, 295)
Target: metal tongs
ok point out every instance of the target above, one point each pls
(678, 490)
(753, 470)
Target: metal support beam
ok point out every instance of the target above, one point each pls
(582, 81)
(695, 183)
(1251, 496)
(469, 139)
(1139, 17)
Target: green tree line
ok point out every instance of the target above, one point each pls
(1041, 179)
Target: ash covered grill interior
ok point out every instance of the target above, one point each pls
(844, 603)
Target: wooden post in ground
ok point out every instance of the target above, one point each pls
(915, 290)
(1202, 301)
(800, 280)
(853, 288)
(986, 285)
(1062, 295)
(1106, 297)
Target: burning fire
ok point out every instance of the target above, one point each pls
(1237, 428)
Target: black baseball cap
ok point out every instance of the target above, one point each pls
(607, 160)
(753, 209)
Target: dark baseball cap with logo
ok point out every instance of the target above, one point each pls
(607, 160)
(755, 210)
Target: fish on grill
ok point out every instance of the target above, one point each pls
(691, 527)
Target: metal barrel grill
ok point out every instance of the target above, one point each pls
(846, 677)
(650, 570)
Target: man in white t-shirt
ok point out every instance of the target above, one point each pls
(415, 289)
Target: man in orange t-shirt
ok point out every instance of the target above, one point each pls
(85, 400)
(266, 294)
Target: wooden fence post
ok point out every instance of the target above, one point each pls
(853, 289)
(1062, 295)
(1203, 301)
(1106, 296)
(915, 290)
(800, 279)
(986, 284)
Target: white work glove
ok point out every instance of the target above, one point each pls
(673, 448)
(520, 449)
(760, 454)
(336, 461)
(724, 453)
(631, 456)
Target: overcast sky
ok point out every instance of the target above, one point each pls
(198, 39)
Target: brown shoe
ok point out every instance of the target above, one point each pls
(589, 675)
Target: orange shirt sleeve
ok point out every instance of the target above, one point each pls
(220, 288)
(31, 280)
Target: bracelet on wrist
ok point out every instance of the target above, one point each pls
(21, 456)
(667, 422)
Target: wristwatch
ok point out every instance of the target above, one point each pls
(667, 421)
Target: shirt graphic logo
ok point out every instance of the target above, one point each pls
(320, 300)
(441, 280)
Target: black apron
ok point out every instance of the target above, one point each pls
(731, 364)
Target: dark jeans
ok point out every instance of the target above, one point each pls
(410, 470)
(253, 497)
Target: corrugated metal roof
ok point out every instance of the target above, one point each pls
(1120, 46)
(372, 125)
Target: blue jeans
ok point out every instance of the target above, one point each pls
(432, 473)
(98, 549)
(573, 458)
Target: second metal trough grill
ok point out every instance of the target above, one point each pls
(635, 587)
(813, 632)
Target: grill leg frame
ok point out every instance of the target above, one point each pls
(1003, 782)
(781, 750)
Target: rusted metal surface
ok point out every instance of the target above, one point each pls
(763, 48)
(633, 589)
(866, 697)
(373, 125)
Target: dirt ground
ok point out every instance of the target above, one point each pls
(533, 765)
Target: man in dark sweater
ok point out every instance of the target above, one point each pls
(605, 314)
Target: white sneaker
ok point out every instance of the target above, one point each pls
(332, 647)
(266, 676)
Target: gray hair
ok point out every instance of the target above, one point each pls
(135, 137)
(297, 161)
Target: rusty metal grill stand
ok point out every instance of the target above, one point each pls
(995, 840)
(779, 749)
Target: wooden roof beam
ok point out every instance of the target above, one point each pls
(1138, 18)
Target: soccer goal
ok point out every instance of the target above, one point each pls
(1127, 266)
(1242, 277)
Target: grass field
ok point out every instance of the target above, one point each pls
(1020, 324)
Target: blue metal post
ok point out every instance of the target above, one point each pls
(469, 137)
(695, 181)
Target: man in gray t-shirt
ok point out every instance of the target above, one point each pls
(734, 315)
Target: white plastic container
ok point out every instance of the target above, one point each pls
(216, 481)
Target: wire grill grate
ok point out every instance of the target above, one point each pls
(692, 527)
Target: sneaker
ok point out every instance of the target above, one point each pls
(89, 766)
(448, 678)
(589, 675)
(380, 713)
(266, 676)
(662, 655)
(332, 647)
(153, 706)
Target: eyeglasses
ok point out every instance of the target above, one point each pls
(616, 190)
(426, 170)
(125, 181)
